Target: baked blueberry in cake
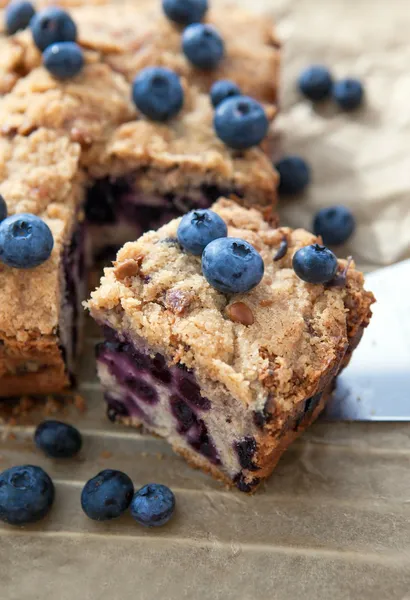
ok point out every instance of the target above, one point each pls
(107, 130)
(228, 355)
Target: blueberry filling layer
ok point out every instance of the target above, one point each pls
(121, 203)
(73, 293)
(144, 387)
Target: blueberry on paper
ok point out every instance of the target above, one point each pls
(57, 439)
(107, 495)
(315, 83)
(203, 46)
(52, 25)
(26, 494)
(153, 505)
(315, 264)
(348, 93)
(294, 174)
(18, 16)
(241, 122)
(63, 60)
(198, 228)
(232, 265)
(185, 12)
(158, 93)
(25, 241)
(223, 89)
(335, 224)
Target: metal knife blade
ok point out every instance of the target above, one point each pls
(376, 384)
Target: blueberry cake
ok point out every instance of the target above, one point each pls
(229, 379)
(90, 144)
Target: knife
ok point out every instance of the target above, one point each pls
(376, 384)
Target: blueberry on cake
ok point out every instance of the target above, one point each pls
(225, 336)
(107, 130)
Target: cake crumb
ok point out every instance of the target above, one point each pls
(80, 403)
(106, 454)
(51, 406)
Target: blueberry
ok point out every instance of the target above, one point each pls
(335, 224)
(315, 82)
(199, 227)
(185, 12)
(202, 45)
(25, 241)
(107, 495)
(18, 16)
(157, 92)
(26, 494)
(52, 25)
(294, 174)
(315, 264)
(348, 93)
(57, 439)
(240, 122)
(63, 60)
(3, 208)
(153, 505)
(223, 89)
(232, 265)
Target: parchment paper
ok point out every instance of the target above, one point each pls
(333, 522)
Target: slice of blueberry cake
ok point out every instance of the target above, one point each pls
(42, 259)
(228, 356)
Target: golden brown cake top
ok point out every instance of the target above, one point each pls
(132, 35)
(95, 110)
(293, 332)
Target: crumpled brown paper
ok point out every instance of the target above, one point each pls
(359, 159)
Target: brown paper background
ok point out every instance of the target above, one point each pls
(333, 522)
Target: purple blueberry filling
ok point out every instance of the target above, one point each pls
(120, 201)
(74, 274)
(140, 381)
(246, 449)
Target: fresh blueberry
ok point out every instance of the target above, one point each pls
(107, 495)
(26, 494)
(57, 439)
(315, 264)
(199, 227)
(25, 241)
(185, 12)
(202, 45)
(52, 25)
(153, 505)
(335, 224)
(3, 208)
(223, 89)
(294, 175)
(157, 92)
(63, 60)
(232, 265)
(18, 16)
(348, 93)
(315, 82)
(241, 122)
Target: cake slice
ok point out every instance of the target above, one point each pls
(228, 379)
(40, 308)
(140, 173)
